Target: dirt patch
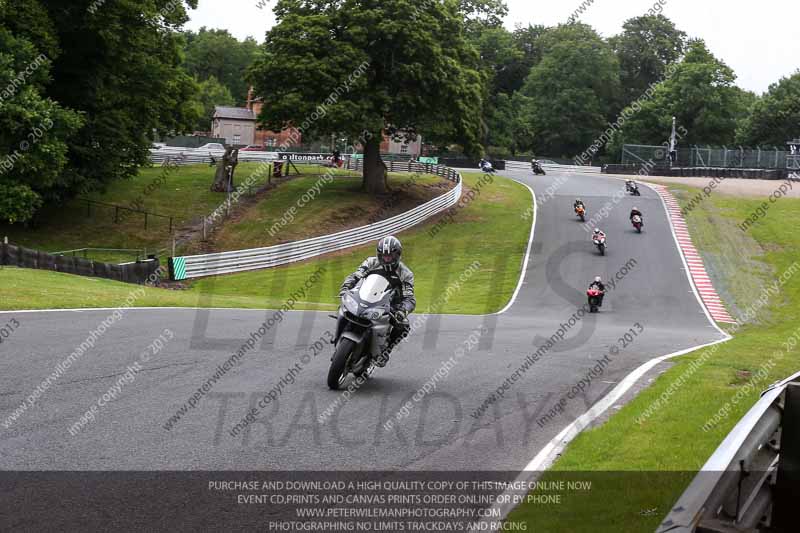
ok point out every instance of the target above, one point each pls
(190, 238)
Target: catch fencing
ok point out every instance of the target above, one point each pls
(707, 156)
(752, 481)
(259, 258)
(697, 172)
(133, 272)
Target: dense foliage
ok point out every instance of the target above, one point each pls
(110, 79)
(361, 68)
(218, 55)
(86, 85)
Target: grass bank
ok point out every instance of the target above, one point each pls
(183, 193)
(488, 231)
(314, 205)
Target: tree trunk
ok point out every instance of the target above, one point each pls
(223, 178)
(374, 168)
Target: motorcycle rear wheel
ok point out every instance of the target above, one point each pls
(336, 374)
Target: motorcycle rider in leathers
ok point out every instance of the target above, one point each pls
(600, 286)
(387, 262)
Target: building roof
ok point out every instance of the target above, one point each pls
(235, 113)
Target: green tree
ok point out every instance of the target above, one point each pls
(361, 68)
(119, 66)
(700, 92)
(34, 130)
(572, 92)
(211, 94)
(218, 54)
(487, 13)
(775, 117)
(527, 42)
(645, 48)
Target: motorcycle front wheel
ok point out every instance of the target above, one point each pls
(336, 374)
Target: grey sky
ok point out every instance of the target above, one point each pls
(760, 41)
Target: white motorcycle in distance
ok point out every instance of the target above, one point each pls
(487, 167)
(363, 326)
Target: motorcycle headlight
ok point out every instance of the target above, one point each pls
(350, 304)
(374, 314)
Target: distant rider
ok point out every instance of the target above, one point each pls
(387, 262)
(486, 166)
(578, 203)
(598, 284)
(635, 211)
(598, 235)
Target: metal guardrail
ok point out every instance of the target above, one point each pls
(747, 484)
(134, 252)
(195, 156)
(516, 165)
(259, 258)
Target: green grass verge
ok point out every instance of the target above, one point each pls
(488, 230)
(184, 194)
(666, 438)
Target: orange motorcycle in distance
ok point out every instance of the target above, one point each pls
(581, 212)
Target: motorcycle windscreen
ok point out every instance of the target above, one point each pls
(373, 289)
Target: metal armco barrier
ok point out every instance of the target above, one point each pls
(752, 482)
(259, 258)
(516, 165)
(195, 156)
(134, 272)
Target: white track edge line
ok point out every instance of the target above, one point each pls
(527, 252)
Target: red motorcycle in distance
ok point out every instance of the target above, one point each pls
(637, 222)
(595, 299)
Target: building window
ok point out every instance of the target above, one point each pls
(403, 148)
(271, 141)
(237, 139)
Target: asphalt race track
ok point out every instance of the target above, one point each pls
(653, 298)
